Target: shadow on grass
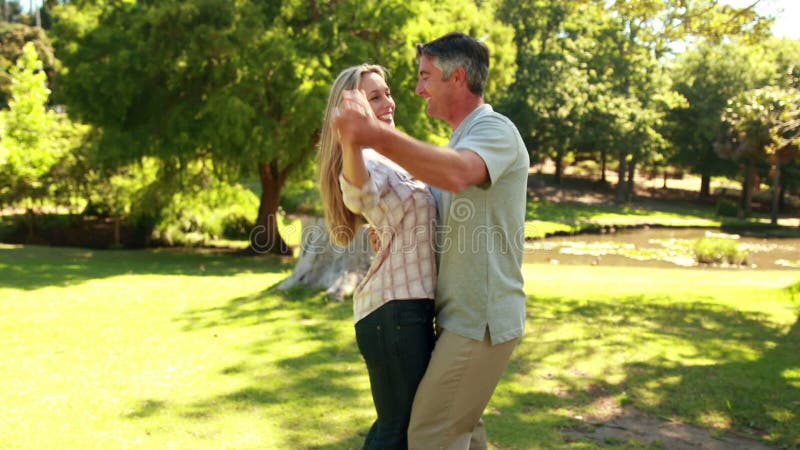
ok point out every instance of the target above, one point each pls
(752, 387)
(146, 408)
(307, 392)
(34, 267)
(693, 361)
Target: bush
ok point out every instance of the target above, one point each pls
(194, 218)
(301, 197)
(718, 250)
(727, 208)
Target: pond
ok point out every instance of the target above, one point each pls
(659, 247)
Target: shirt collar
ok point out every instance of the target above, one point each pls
(467, 122)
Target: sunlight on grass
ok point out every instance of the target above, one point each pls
(176, 360)
(639, 337)
(792, 376)
(193, 349)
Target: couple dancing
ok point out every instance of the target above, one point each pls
(430, 388)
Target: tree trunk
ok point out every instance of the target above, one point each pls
(705, 186)
(266, 237)
(603, 160)
(776, 189)
(31, 225)
(322, 265)
(559, 162)
(748, 188)
(631, 185)
(117, 221)
(619, 197)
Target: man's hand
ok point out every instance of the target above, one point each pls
(374, 239)
(352, 117)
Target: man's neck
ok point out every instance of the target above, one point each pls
(464, 109)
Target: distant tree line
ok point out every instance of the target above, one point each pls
(137, 109)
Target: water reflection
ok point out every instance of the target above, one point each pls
(658, 247)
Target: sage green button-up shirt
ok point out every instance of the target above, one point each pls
(481, 235)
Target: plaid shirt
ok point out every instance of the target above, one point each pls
(403, 212)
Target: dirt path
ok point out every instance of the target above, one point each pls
(631, 425)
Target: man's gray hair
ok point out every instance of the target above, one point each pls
(454, 50)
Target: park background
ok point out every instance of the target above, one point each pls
(143, 142)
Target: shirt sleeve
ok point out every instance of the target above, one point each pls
(360, 199)
(494, 141)
(366, 200)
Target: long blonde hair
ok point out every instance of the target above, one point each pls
(341, 222)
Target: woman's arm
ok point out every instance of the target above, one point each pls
(353, 167)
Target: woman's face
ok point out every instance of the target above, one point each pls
(379, 96)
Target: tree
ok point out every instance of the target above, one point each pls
(551, 92)
(707, 76)
(633, 40)
(12, 11)
(241, 83)
(26, 153)
(762, 125)
(186, 81)
(13, 37)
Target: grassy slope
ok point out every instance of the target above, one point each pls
(179, 349)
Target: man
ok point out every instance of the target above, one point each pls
(480, 182)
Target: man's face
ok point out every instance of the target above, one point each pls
(431, 87)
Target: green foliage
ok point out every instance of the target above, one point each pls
(185, 207)
(785, 53)
(202, 214)
(69, 179)
(763, 120)
(26, 152)
(301, 197)
(36, 144)
(125, 192)
(552, 91)
(707, 76)
(13, 37)
(719, 250)
(760, 122)
(243, 84)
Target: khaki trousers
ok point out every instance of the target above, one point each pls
(460, 380)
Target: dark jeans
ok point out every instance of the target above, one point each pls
(396, 341)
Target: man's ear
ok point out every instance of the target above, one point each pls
(460, 75)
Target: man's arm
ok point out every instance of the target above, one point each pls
(446, 168)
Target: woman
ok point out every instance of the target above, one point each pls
(393, 304)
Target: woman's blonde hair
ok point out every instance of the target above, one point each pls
(341, 222)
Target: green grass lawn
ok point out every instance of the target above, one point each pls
(161, 349)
